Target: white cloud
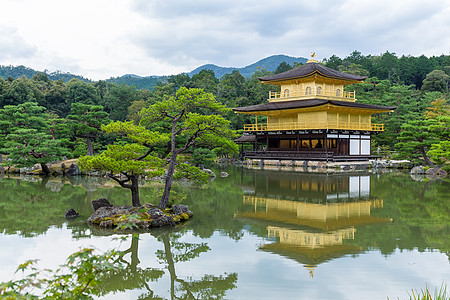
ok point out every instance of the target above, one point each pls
(12, 44)
(104, 38)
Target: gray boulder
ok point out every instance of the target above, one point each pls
(71, 214)
(107, 212)
(101, 202)
(155, 213)
(180, 209)
(417, 170)
(73, 170)
(211, 173)
(435, 173)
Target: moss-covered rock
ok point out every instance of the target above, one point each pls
(143, 217)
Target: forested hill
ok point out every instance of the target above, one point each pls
(139, 82)
(269, 63)
(149, 82)
(404, 70)
(19, 71)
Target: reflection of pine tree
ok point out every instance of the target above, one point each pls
(208, 287)
(131, 276)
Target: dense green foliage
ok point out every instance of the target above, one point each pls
(30, 136)
(19, 71)
(194, 117)
(409, 83)
(148, 83)
(86, 122)
(124, 163)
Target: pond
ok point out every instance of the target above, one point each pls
(256, 234)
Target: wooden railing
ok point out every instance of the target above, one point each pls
(314, 125)
(303, 94)
(304, 154)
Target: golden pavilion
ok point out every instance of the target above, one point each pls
(312, 117)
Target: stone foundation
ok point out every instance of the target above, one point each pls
(322, 166)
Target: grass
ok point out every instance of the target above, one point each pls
(424, 294)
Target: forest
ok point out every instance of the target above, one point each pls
(72, 112)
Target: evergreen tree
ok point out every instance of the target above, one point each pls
(416, 139)
(124, 163)
(194, 115)
(29, 136)
(86, 122)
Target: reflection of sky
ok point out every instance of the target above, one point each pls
(261, 275)
(51, 248)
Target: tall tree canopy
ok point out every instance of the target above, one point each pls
(86, 122)
(193, 115)
(29, 134)
(124, 163)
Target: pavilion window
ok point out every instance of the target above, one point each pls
(319, 90)
(305, 143)
(273, 143)
(308, 90)
(286, 93)
(288, 144)
(317, 143)
(331, 143)
(338, 92)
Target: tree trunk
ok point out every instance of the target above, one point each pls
(45, 168)
(90, 149)
(170, 263)
(135, 191)
(173, 159)
(168, 185)
(425, 157)
(134, 254)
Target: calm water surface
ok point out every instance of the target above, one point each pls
(257, 234)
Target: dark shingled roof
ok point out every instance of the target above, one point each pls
(309, 69)
(249, 138)
(281, 105)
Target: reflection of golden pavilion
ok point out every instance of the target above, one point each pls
(310, 248)
(311, 216)
(321, 216)
(312, 240)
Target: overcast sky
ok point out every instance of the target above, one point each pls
(106, 38)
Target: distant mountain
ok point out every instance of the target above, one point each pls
(149, 82)
(19, 71)
(269, 63)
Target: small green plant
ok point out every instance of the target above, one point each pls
(424, 294)
(129, 221)
(76, 279)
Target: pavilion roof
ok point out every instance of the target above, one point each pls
(249, 138)
(309, 69)
(284, 105)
